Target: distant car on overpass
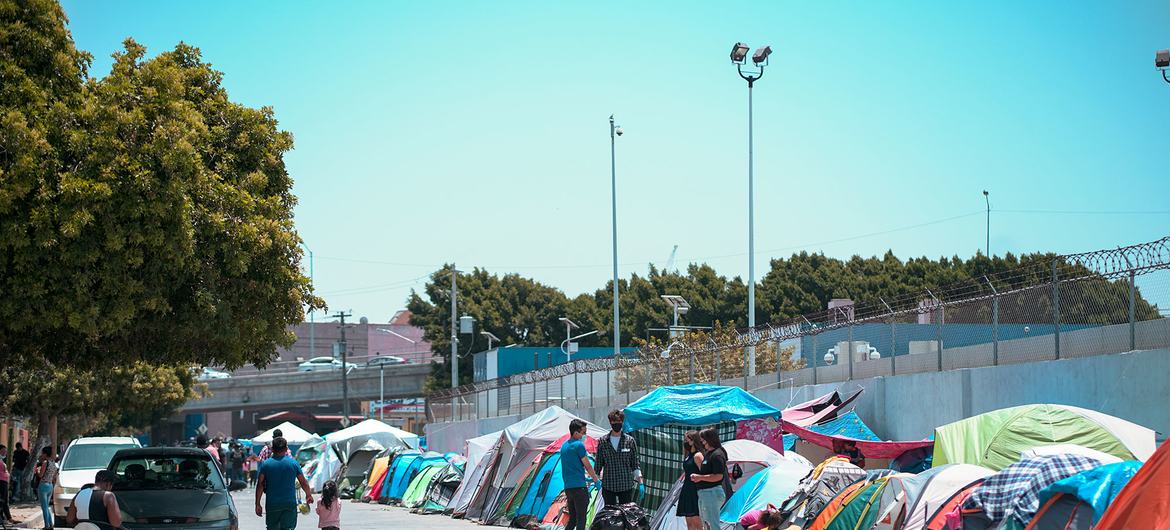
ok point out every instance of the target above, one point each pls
(208, 373)
(385, 360)
(323, 363)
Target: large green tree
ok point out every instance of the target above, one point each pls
(143, 215)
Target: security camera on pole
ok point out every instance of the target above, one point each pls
(1162, 62)
(760, 60)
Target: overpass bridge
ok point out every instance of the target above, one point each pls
(273, 390)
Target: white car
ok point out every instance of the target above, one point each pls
(81, 461)
(208, 373)
(385, 360)
(322, 363)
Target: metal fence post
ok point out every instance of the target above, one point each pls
(815, 358)
(718, 367)
(691, 371)
(850, 349)
(608, 383)
(938, 324)
(893, 338)
(629, 383)
(1055, 310)
(649, 373)
(1132, 314)
(995, 330)
(669, 370)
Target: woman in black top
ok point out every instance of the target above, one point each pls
(709, 480)
(688, 497)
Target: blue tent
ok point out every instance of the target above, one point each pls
(405, 469)
(546, 485)
(695, 404)
(770, 486)
(1096, 487)
(848, 424)
(398, 469)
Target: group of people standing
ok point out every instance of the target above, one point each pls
(44, 475)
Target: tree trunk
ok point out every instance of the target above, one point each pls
(45, 422)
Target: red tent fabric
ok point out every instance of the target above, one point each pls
(868, 449)
(817, 410)
(590, 444)
(1144, 502)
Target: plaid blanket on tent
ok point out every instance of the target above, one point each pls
(1015, 491)
(661, 451)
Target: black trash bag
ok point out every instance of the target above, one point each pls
(627, 516)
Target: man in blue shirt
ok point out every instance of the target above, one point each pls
(574, 465)
(278, 479)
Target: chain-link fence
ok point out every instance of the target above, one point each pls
(1077, 305)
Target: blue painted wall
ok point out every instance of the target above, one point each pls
(520, 359)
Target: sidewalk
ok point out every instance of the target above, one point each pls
(29, 515)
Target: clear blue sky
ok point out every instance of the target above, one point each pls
(476, 132)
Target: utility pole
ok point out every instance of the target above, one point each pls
(344, 370)
(454, 341)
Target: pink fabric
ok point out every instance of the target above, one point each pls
(807, 413)
(330, 516)
(868, 449)
(752, 517)
(3, 472)
(954, 519)
(766, 431)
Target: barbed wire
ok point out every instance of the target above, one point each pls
(1105, 264)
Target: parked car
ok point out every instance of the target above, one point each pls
(209, 373)
(385, 360)
(81, 461)
(173, 487)
(322, 363)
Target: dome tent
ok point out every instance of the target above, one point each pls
(996, 439)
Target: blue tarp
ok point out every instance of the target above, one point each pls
(770, 486)
(1096, 487)
(695, 404)
(848, 424)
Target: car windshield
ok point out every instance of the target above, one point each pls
(166, 472)
(90, 456)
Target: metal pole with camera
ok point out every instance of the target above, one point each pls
(614, 131)
(760, 60)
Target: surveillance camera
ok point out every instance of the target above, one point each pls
(1162, 59)
(618, 131)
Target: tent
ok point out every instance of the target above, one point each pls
(996, 439)
(443, 486)
(868, 448)
(375, 480)
(818, 488)
(502, 467)
(937, 486)
(863, 505)
(819, 410)
(558, 515)
(752, 458)
(659, 419)
(292, 433)
(1077, 502)
(417, 489)
(341, 444)
(770, 486)
(307, 452)
(539, 487)
(1145, 500)
(474, 449)
(848, 425)
(1069, 449)
(1009, 498)
(357, 469)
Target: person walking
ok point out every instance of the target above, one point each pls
(617, 462)
(5, 513)
(96, 504)
(266, 452)
(574, 465)
(329, 508)
(46, 478)
(278, 479)
(688, 497)
(20, 459)
(709, 480)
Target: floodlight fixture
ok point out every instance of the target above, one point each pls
(761, 55)
(569, 323)
(739, 52)
(1162, 58)
(490, 338)
(677, 302)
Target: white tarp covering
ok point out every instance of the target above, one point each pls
(943, 482)
(292, 433)
(345, 442)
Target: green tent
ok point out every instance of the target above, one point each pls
(995, 440)
(416, 492)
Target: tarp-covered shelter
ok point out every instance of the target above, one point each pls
(996, 439)
(818, 488)
(819, 410)
(769, 486)
(341, 444)
(291, 432)
(847, 425)
(1009, 498)
(868, 448)
(1079, 501)
(752, 458)
(501, 468)
(474, 449)
(659, 419)
(1145, 501)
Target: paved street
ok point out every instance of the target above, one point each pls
(354, 516)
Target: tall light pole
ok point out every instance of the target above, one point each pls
(614, 132)
(760, 60)
(987, 199)
(344, 370)
(312, 313)
(454, 342)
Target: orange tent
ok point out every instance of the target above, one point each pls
(1145, 502)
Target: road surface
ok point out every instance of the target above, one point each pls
(354, 516)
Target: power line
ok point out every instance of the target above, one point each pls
(1088, 212)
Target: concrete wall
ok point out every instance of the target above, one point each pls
(1133, 386)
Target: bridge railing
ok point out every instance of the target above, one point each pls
(293, 366)
(1069, 306)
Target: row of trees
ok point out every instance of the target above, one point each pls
(523, 311)
(145, 230)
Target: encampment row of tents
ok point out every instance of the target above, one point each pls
(1034, 467)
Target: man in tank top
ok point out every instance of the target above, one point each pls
(96, 504)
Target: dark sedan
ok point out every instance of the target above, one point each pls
(173, 488)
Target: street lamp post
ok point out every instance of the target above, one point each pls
(344, 370)
(760, 60)
(614, 131)
(987, 199)
(312, 313)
